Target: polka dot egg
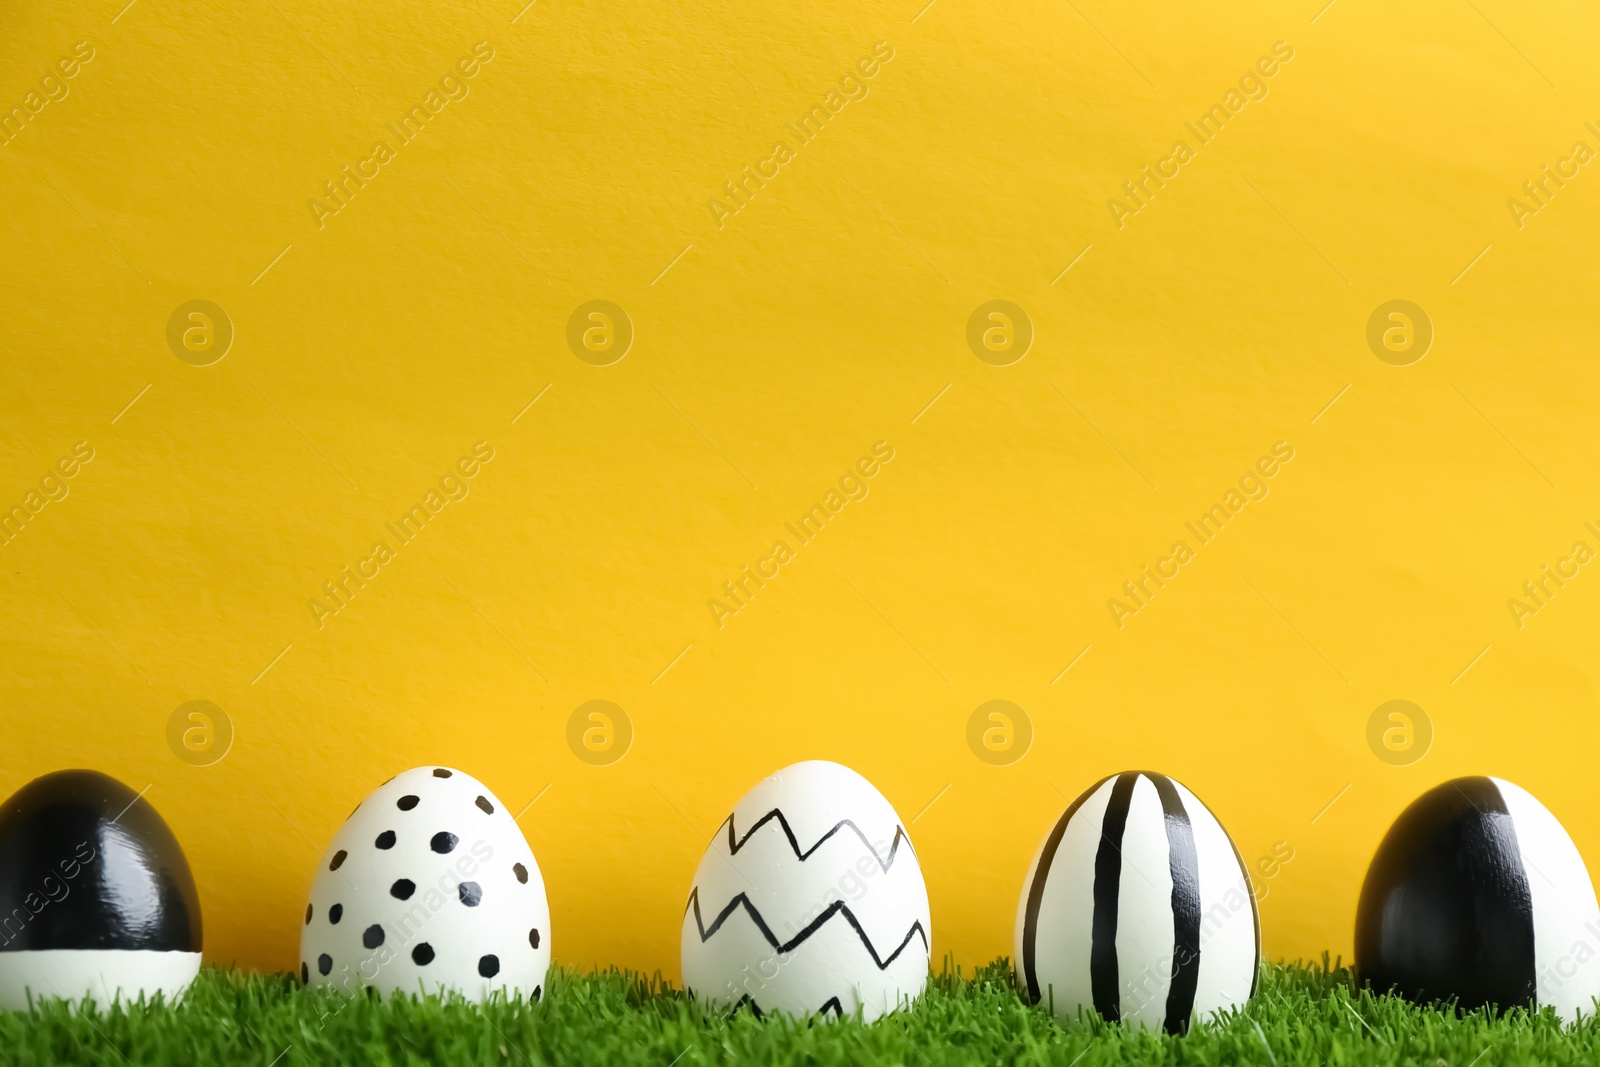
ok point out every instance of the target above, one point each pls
(429, 887)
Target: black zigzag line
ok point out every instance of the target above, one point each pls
(837, 907)
(735, 843)
(831, 1004)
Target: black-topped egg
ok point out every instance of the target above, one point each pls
(1478, 894)
(429, 887)
(96, 898)
(1138, 907)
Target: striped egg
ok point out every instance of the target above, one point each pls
(1477, 893)
(1138, 907)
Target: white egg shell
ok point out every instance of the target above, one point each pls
(429, 887)
(1137, 906)
(809, 899)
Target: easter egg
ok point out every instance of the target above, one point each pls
(1477, 893)
(1138, 907)
(809, 900)
(96, 899)
(429, 887)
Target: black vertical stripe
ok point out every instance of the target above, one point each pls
(1185, 866)
(1041, 873)
(1103, 974)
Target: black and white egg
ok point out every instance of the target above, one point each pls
(429, 887)
(809, 900)
(96, 898)
(1138, 907)
(1478, 894)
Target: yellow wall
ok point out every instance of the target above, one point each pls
(824, 316)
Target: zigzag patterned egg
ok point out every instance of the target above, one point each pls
(428, 887)
(1477, 893)
(1138, 907)
(809, 900)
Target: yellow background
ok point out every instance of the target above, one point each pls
(823, 317)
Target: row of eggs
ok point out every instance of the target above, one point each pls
(810, 899)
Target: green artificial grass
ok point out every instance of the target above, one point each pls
(1300, 1015)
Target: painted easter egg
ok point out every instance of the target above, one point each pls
(1477, 893)
(429, 887)
(809, 900)
(96, 898)
(1138, 907)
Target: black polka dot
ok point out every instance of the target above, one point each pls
(385, 839)
(402, 889)
(443, 842)
(483, 802)
(440, 772)
(372, 936)
(305, 974)
(422, 955)
(407, 802)
(338, 860)
(521, 872)
(488, 966)
(533, 938)
(308, 914)
(470, 893)
(538, 992)
(335, 913)
(324, 963)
